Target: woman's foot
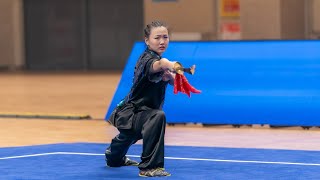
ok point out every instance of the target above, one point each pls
(156, 172)
(129, 162)
(126, 162)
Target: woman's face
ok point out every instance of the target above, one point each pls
(158, 40)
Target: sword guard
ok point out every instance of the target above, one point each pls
(178, 68)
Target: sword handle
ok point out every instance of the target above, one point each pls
(178, 68)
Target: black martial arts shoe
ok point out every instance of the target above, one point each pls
(126, 162)
(129, 162)
(157, 172)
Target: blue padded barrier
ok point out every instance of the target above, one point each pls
(242, 82)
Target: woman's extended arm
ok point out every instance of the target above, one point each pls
(162, 65)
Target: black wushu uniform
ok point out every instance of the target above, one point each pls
(140, 116)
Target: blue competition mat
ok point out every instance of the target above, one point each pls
(86, 161)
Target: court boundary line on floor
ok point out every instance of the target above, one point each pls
(171, 158)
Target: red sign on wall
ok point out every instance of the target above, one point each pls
(230, 8)
(230, 31)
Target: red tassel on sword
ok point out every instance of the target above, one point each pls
(182, 85)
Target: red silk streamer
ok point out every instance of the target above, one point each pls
(181, 84)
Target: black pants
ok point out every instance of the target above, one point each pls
(148, 125)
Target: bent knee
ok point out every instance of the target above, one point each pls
(160, 116)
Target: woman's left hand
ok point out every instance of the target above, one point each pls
(168, 76)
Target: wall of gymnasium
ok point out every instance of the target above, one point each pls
(186, 16)
(11, 34)
(272, 19)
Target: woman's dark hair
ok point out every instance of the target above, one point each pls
(153, 24)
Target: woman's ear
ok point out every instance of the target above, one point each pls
(146, 41)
